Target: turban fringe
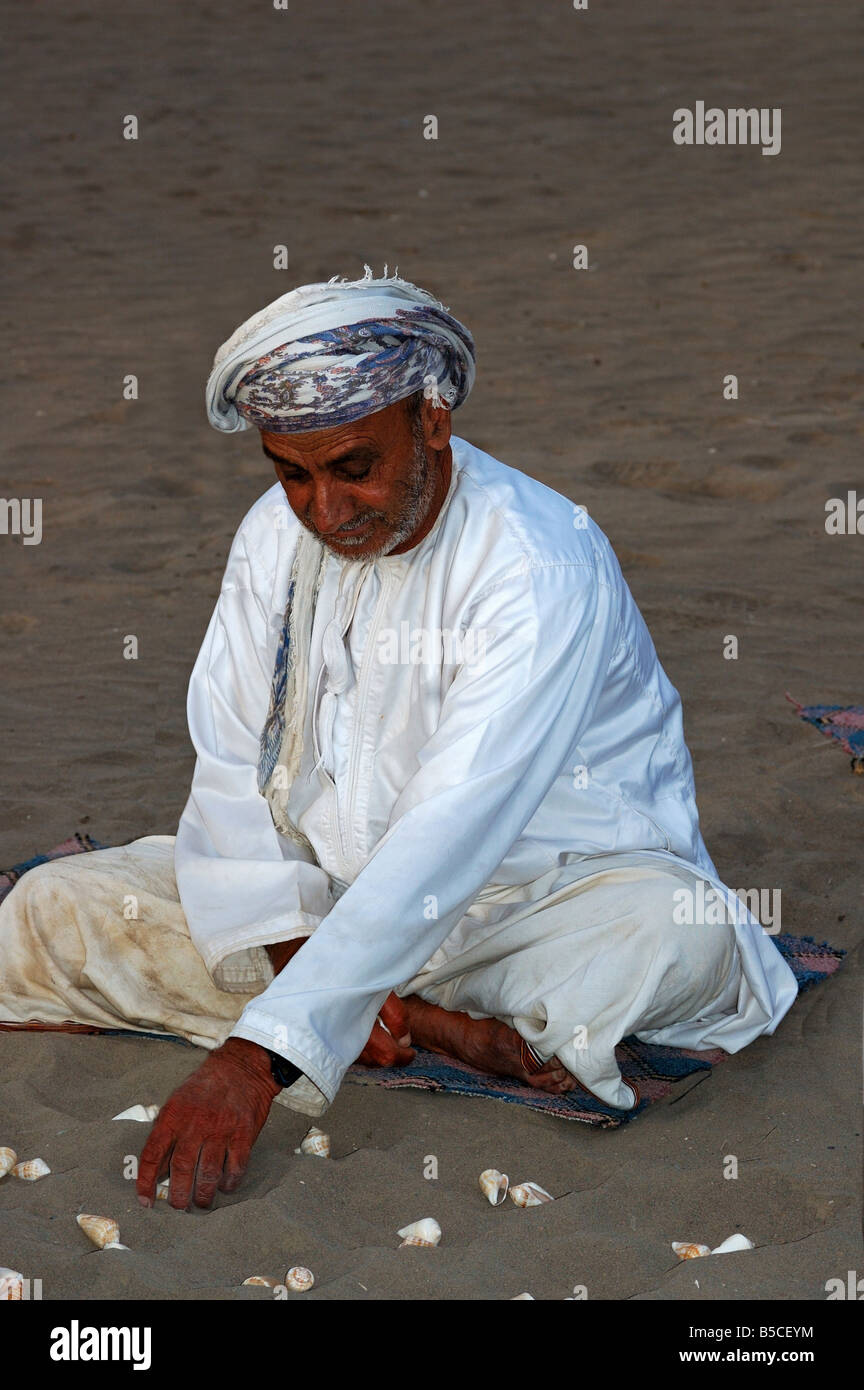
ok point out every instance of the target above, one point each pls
(328, 354)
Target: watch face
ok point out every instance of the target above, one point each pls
(282, 1070)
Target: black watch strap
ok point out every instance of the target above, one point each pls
(283, 1071)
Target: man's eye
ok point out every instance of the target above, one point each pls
(355, 475)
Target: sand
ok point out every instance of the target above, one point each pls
(304, 128)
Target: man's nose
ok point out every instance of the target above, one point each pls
(331, 507)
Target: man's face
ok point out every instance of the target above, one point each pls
(364, 489)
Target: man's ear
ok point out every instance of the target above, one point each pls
(436, 425)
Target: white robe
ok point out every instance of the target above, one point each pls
(436, 782)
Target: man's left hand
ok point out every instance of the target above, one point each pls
(205, 1131)
(389, 1046)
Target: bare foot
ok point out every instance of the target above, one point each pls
(485, 1043)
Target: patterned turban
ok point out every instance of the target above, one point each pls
(330, 353)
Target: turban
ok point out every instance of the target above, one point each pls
(330, 353)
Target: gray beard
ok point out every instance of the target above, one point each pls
(420, 490)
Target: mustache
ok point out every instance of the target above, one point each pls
(359, 520)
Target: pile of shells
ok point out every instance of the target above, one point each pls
(496, 1187)
(31, 1171)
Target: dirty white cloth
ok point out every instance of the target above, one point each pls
(102, 939)
(574, 961)
(491, 711)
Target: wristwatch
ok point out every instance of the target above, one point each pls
(284, 1073)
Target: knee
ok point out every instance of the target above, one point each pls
(688, 911)
(42, 900)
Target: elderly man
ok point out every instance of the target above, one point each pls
(442, 795)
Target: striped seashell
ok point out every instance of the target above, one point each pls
(316, 1142)
(102, 1230)
(736, 1242)
(32, 1170)
(8, 1159)
(266, 1281)
(425, 1232)
(494, 1186)
(530, 1194)
(142, 1113)
(690, 1252)
(299, 1279)
(11, 1285)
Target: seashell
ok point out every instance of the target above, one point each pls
(299, 1279)
(316, 1142)
(266, 1281)
(11, 1285)
(523, 1297)
(736, 1242)
(689, 1252)
(494, 1186)
(530, 1194)
(8, 1159)
(425, 1232)
(32, 1170)
(162, 1190)
(144, 1113)
(102, 1230)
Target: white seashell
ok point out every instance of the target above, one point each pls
(316, 1142)
(102, 1230)
(299, 1279)
(8, 1159)
(425, 1232)
(11, 1285)
(32, 1170)
(689, 1252)
(530, 1194)
(267, 1281)
(162, 1190)
(144, 1113)
(494, 1186)
(736, 1242)
(522, 1297)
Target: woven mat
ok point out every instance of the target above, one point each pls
(843, 723)
(653, 1069)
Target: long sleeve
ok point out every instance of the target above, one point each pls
(510, 725)
(242, 885)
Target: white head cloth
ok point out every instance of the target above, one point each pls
(329, 353)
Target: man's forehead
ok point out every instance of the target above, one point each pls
(370, 434)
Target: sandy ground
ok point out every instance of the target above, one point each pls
(260, 128)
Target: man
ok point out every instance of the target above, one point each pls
(442, 796)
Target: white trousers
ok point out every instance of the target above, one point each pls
(574, 961)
